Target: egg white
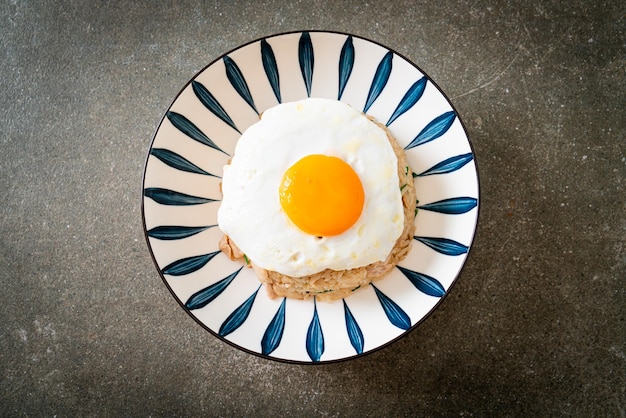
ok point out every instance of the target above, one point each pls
(251, 213)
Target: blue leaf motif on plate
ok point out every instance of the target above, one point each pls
(188, 265)
(394, 313)
(448, 165)
(411, 97)
(315, 337)
(205, 296)
(424, 283)
(176, 161)
(239, 316)
(192, 131)
(172, 232)
(383, 71)
(211, 103)
(452, 206)
(306, 59)
(346, 63)
(174, 198)
(354, 331)
(274, 332)
(271, 69)
(234, 75)
(443, 245)
(434, 129)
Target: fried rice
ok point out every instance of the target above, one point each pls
(329, 285)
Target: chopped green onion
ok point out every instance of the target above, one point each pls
(403, 186)
(245, 257)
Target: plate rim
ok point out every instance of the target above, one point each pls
(336, 360)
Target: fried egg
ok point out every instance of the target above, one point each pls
(312, 186)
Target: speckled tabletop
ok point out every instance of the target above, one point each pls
(534, 326)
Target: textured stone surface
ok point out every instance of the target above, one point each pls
(534, 326)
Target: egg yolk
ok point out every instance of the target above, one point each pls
(322, 195)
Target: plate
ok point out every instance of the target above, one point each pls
(197, 136)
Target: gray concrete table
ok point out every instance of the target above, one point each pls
(534, 326)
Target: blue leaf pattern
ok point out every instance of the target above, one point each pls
(380, 80)
(346, 63)
(443, 245)
(452, 206)
(192, 131)
(434, 129)
(172, 232)
(176, 161)
(205, 296)
(211, 103)
(234, 75)
(174, 198)
(411, 97)
(396, 315)
(306, 59)
(424, 283)
(189, 264)
(354, 331)
(448, 165)
(239, 316)
(315, 337)
(270, 67)
(274, 332)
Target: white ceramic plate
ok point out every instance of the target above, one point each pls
(198, 134)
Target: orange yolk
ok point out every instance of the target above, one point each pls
(322, 195)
